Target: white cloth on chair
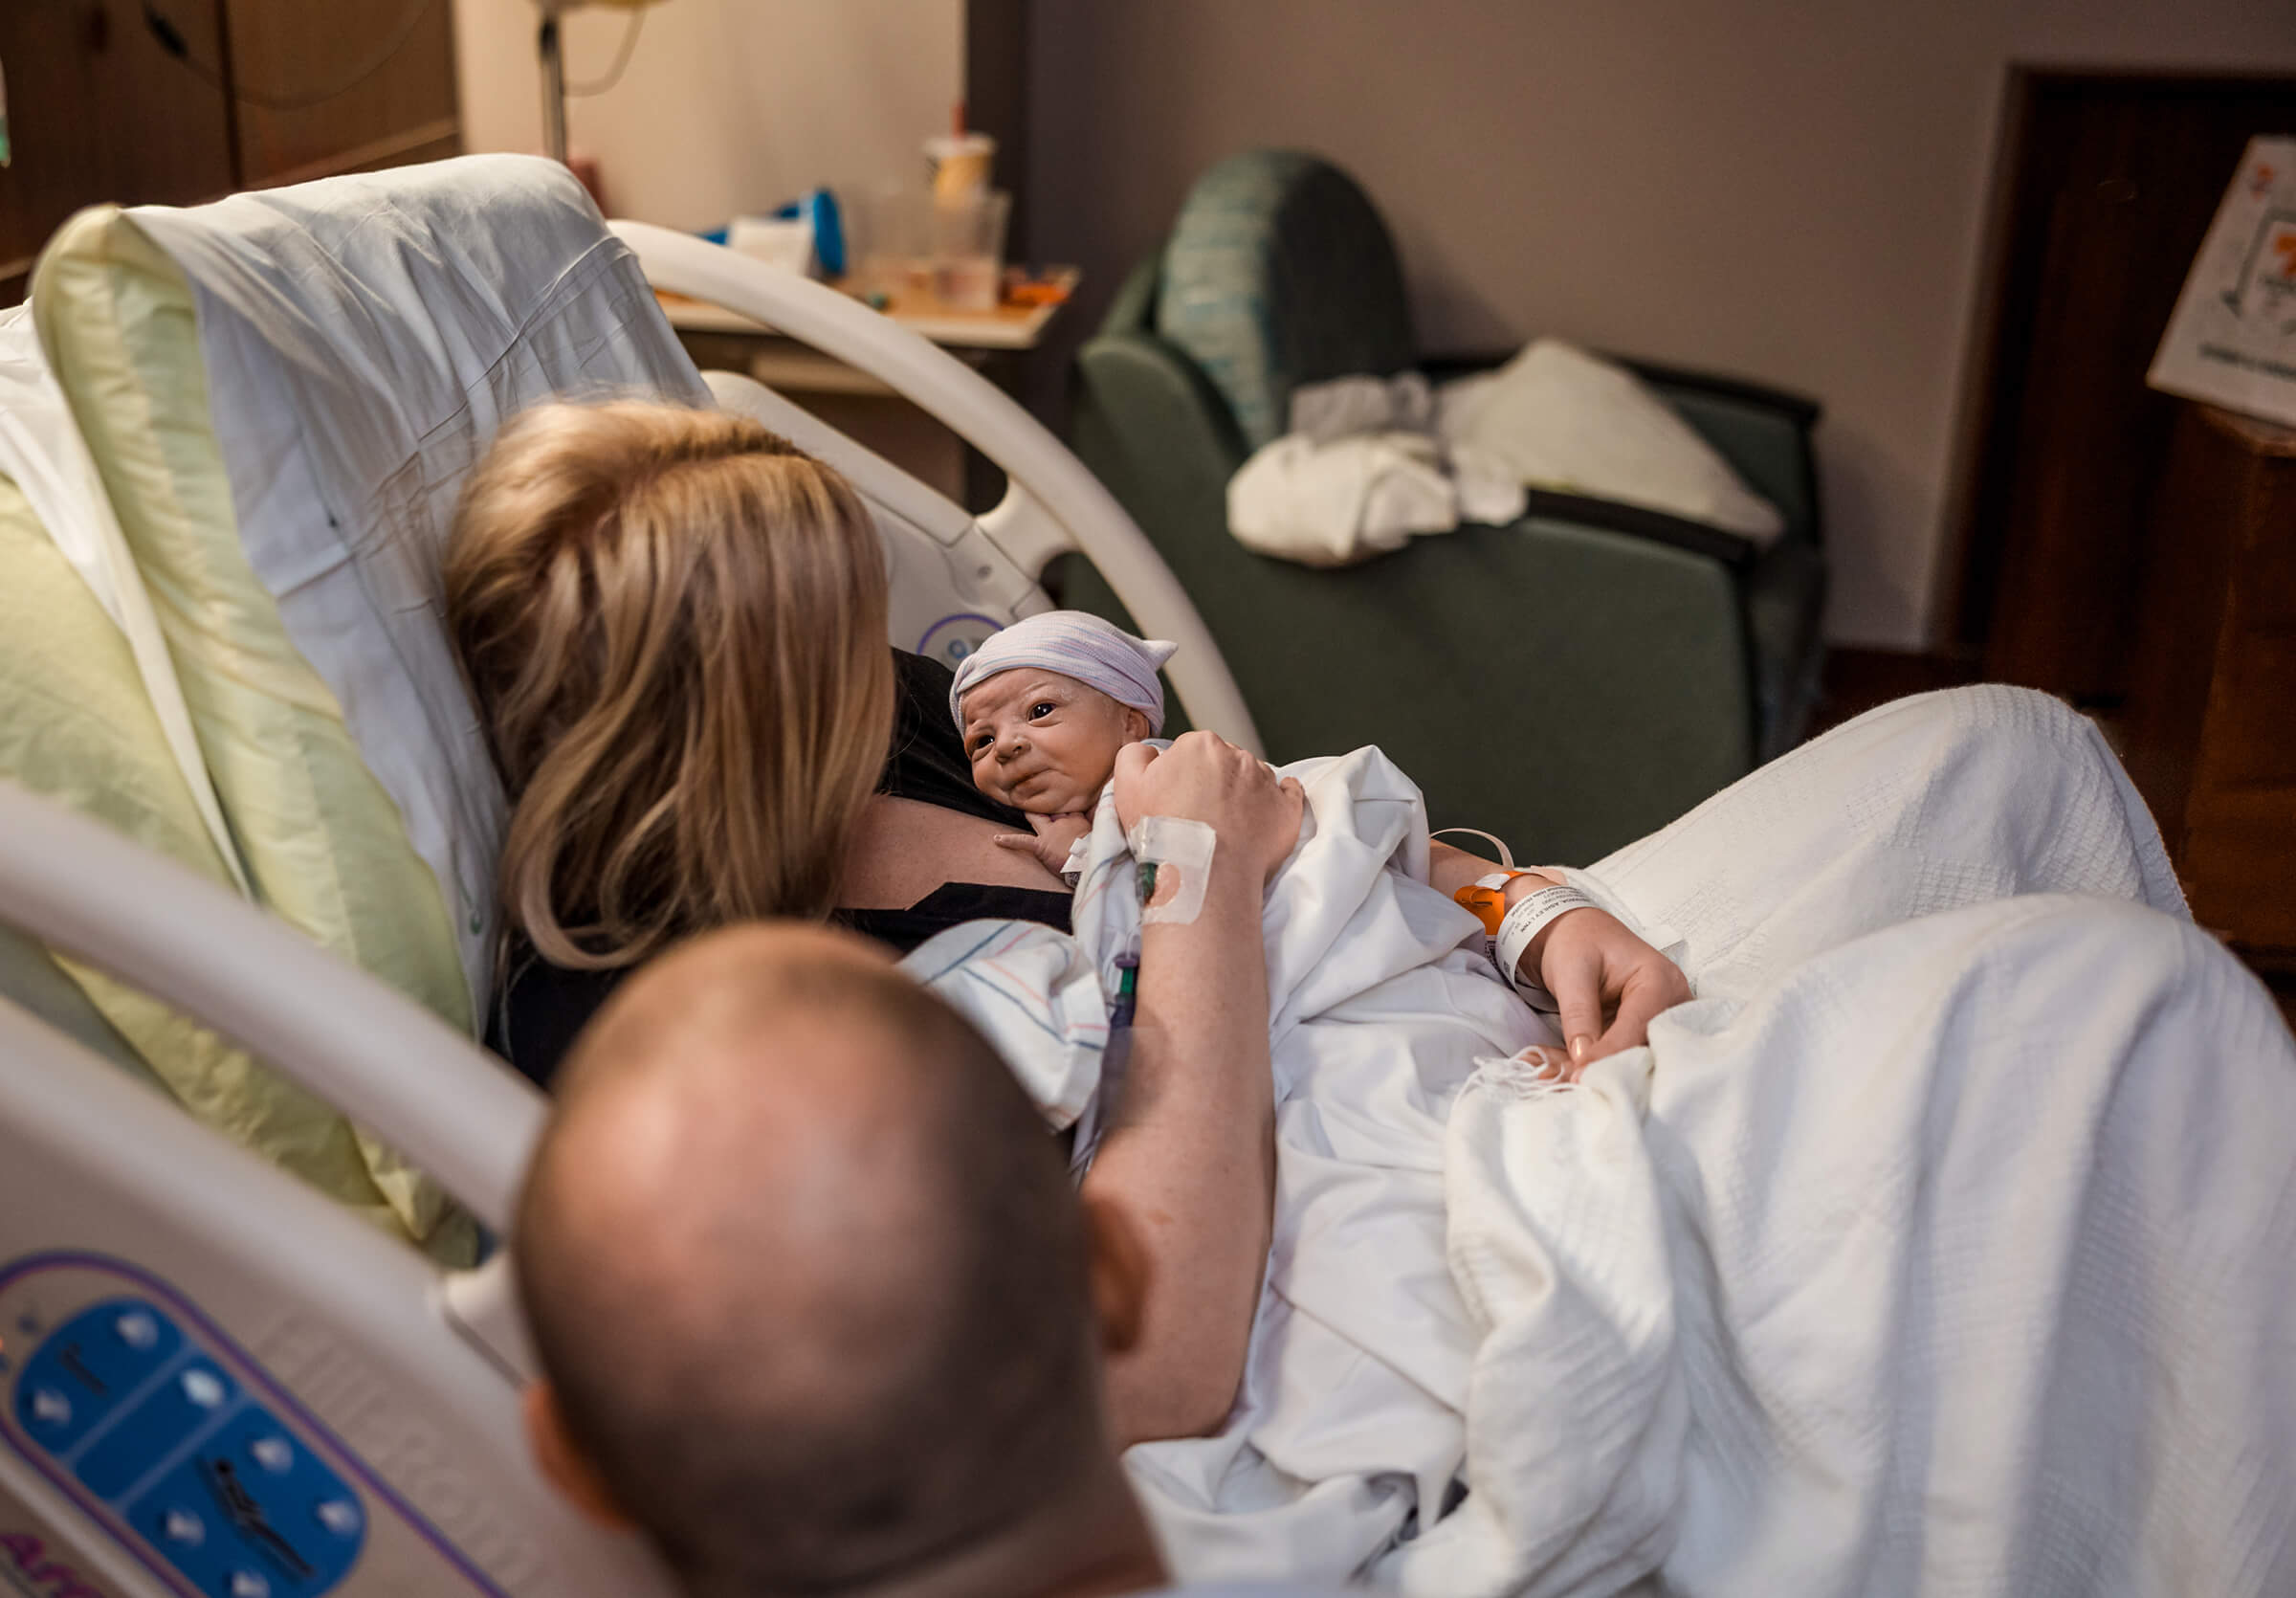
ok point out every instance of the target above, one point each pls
(1372, 462)
(1362, 472)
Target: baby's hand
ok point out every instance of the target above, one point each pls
(1055, 835)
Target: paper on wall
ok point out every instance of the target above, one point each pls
(2232, 339)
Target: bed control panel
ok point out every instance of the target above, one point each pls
(158, 1432)
(158, 1436)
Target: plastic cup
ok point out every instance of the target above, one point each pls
(960, 164)
(968, 250)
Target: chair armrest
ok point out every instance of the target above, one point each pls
(1797, 409)
(1700, 538)
(1152, 426)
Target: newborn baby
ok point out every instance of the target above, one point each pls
(1043, 708)
(1349, 1419)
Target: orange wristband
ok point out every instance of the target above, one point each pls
(1485, 898)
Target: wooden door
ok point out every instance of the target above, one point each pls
(98, 110)
(2107, 188)
(326, 87)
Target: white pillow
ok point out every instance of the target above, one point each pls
(1565, 420)
(363, 338)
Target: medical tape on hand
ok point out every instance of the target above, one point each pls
(1526, 921)
(1181, 852)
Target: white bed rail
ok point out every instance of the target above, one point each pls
(385, 1063)
(1053, 504)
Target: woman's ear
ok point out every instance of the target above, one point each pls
(563, 1464)
(1117, 1273)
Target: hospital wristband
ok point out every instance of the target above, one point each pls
(1486, 898)
(1530, 916)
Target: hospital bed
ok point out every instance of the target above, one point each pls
(213, 1380)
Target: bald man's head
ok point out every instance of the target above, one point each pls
(805, 1271)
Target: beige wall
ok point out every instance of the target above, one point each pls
(1788, 189)
(728, 105)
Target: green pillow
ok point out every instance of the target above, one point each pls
(324, 846)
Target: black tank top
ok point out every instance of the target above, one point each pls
(539, 1008)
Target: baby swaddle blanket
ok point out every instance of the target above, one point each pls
(1351, 1413)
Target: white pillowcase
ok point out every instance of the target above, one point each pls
(1565, 420)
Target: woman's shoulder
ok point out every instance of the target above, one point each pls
(540, 1009)
(926, 762)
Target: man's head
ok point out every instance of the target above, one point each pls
(807, 1279)
(1044, 743)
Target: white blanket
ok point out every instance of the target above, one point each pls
(1928, 1255)
(1350, 1416)
(1940, 1246)
(365, 337)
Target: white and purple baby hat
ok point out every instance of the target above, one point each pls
(1075, 643)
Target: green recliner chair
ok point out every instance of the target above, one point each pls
(1569, 682)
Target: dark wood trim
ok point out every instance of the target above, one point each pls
(1636, 522)
(1962, 611)
(1985, 473)
(1857, 680)
(432, 140)
(996, 100)
(227, 70)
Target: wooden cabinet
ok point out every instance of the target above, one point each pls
(217, 95)
(2108, 183)
(98, 110)
(286, 51)
(2211, 708)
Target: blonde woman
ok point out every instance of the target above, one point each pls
(673, 623)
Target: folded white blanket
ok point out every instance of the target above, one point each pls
(1369, 462)
(1557, 417)
(1336, 503)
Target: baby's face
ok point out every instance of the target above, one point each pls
(1044, 743)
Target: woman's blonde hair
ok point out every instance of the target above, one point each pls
(674, 622)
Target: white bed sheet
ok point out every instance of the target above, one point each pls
(1935, 1247)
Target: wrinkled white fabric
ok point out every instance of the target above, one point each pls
(1327, 504)
(1370, 463)
(1557, 417)
(1349, 1417)
(1344, 406)
(364, 339)
(1937, 1247)
(1952, 1262)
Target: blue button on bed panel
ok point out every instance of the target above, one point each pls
(84, 1369)
(274, 1517)
(192, 1396)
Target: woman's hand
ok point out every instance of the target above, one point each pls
(1203, 777)
(1596, 968)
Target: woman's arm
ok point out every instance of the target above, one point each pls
(1190, 1163)
(1607, 983)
